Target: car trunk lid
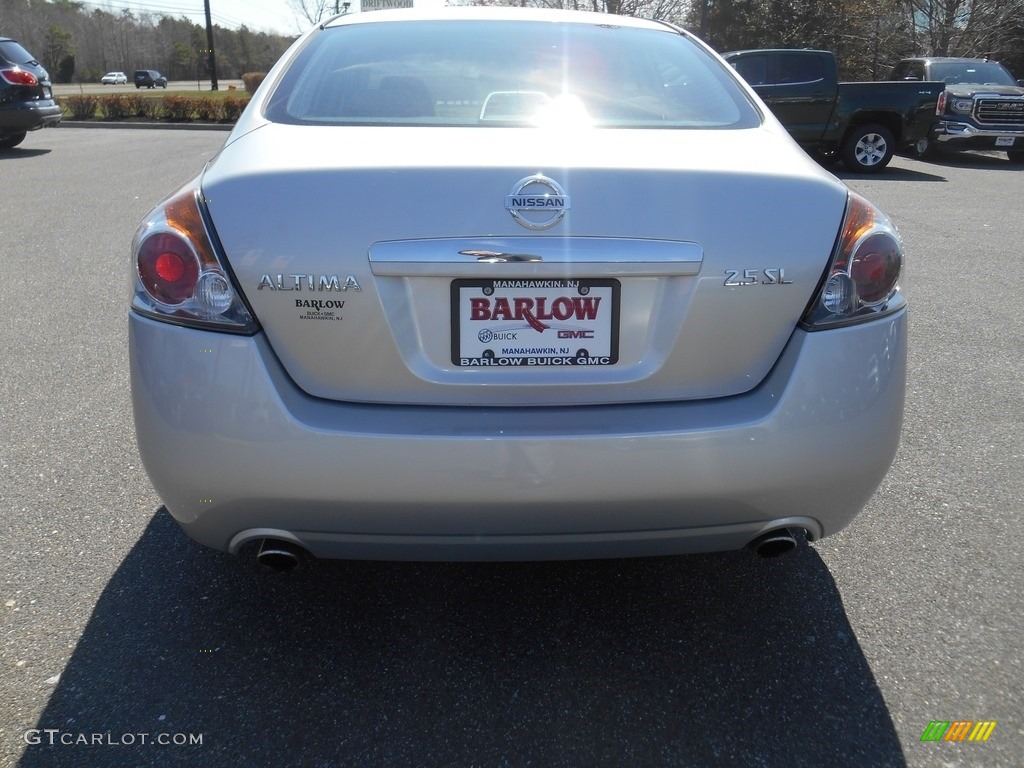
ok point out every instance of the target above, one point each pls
(386, 265)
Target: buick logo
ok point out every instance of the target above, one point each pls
(537, 202)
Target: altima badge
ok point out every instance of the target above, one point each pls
(309, 283)
(537, 202)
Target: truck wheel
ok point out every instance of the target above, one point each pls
(1016, 156)
(924, 149)
(867, 148)
(12, 140)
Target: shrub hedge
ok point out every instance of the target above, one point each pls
(252, 81)
(179, 109)
(171, 108)
(81, 107)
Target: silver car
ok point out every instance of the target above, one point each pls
(495, 284)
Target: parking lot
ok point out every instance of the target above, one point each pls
(114, 624)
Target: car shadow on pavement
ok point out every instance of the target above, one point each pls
(701, 660)
(891, 173)
(979, 161)
(22, 153)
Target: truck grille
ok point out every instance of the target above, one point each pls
(1000, 112)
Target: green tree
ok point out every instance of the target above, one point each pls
(59, 45)
(66, 69)
(183, 61)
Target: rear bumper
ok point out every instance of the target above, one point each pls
(31, 116)
(237, 452)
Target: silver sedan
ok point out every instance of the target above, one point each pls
(491, 284)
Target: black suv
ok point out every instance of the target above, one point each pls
(149, 78)
(26, 99)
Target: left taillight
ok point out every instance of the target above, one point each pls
(17, 76)
(179, 276)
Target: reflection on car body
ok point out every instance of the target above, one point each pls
(430, 303)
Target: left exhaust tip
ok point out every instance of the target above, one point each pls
(774, 543)
(280, 555)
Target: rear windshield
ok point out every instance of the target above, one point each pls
(491, 73)
(14, 53)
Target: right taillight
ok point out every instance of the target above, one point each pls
(940, 105)
(862, 279)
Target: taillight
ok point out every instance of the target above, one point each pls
(18, 76)
(862, 280)
(179, 277)
(940, 105)
(875, 268)
(168, 268)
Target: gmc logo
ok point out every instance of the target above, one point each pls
(575, 334)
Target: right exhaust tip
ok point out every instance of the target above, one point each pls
(279, 555)
(774, 543)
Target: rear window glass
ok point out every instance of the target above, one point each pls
(800, 68)
(14, 53)
(753, 69)
(459, 73)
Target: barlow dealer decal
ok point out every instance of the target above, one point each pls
(534, 323)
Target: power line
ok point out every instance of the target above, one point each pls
(148, 8)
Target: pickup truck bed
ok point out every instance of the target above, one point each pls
(860, 123)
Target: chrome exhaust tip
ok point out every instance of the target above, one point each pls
(774, 543)
(279, 555)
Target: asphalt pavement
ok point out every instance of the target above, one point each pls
(123, 643)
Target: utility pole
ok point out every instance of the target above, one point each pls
(209, 43)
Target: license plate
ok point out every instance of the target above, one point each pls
(535, 323)
(46, 92)
(1004, 141)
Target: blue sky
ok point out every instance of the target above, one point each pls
(262, 15)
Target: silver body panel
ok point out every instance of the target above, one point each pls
(236, 450)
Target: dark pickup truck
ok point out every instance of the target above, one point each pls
(981, 106)
(860, 123)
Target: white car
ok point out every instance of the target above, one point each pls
(502, 283)
(114, 78)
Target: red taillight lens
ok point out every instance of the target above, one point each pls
(876, 268)
(19, 77)
(168, 268)
(940, 105)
